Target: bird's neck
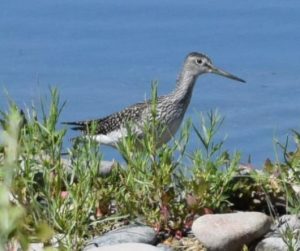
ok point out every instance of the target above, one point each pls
(184, 86)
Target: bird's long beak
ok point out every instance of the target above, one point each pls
(215, 70)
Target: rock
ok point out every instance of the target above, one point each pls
(36, 247)
(285, 222)
(127, 247)
(271, 244)
(296, 189)
(130, 233)
(284, 225)
(104, 170)
(163, 247)
(229, 232)
(106, 167)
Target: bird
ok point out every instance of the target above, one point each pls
(170, 108)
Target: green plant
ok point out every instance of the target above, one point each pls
(60, 195)
(286, 174)
(212, 171)
(11, 224)
(289, 173)
(149, 186)
(291, 238)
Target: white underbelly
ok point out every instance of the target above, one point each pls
(112, 138)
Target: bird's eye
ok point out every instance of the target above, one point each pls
(199, 61)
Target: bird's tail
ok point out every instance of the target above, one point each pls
(78, 126)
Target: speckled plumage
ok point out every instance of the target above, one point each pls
(170, 108)
(112, 122)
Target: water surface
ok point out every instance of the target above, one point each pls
(103, 55)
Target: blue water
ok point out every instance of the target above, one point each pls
(103, 55)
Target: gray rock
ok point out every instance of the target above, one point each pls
(229, 232)
(286, 224)
(271, 244)
(36, 247)
(106, 167)
(127, 247)
(104, 170)
(131, 233)
(163, 247)
(296, 189)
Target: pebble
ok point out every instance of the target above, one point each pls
(229, 232)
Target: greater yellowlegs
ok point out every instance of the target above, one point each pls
(170, 108)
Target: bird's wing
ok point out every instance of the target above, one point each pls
(112, 122)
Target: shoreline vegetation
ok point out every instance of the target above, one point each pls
(45, 200)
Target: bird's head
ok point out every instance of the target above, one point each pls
(198, 63)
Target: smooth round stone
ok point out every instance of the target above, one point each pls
(127, 247)
(130, 233)
(219, 232)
